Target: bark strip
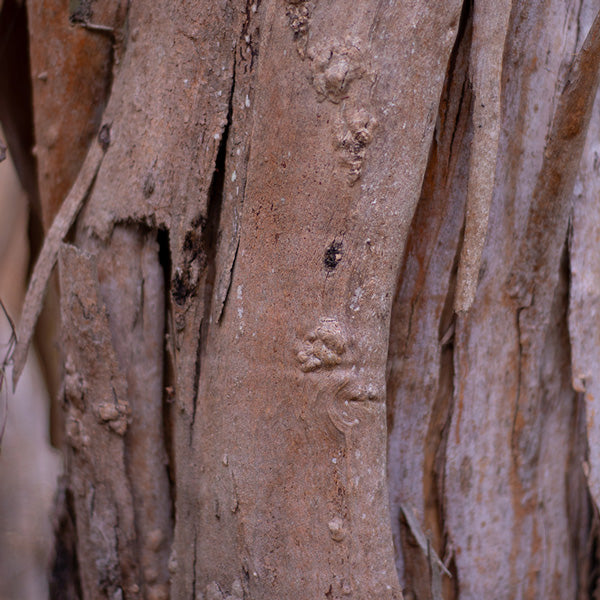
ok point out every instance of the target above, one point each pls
(552, 197)
(97, 419)
(63, 221)
(292, 390)
(131, 284)
(490, 25)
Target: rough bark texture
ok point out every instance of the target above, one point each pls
(284, 205)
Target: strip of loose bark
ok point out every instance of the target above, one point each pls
(135, 315)
(551, 201)
(584, 296)
(97, 401)
(535, 273)
(65, 218)
(490, 25)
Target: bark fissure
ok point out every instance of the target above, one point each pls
(194, 566)
(64, 578)
(520, 357)
(210, 232)
(241, 151)
(464, 31)
(444, 405)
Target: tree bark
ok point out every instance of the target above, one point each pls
(327, 303)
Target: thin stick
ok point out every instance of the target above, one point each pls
(63, 221)
(4, 365)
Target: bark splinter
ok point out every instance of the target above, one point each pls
(65, 218)
(490, 26)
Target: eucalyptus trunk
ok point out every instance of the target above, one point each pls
(329, 280)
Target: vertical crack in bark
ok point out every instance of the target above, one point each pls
(64, 579)
(582, 513)
(463, 36)
(241, 136)
(193, 253)
(169, 374)
(225, 280)
(194, 595)
(210, 237)
(583, 516)
(520, 358)
(592, 589)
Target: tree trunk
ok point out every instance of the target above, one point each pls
(329, 303)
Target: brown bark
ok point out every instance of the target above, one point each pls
(285, 204)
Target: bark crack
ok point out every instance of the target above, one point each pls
(210, 236)
(514, 434)
(439, 429)
(216, 196)
(194, 596)
(463, 26)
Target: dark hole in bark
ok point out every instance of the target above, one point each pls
(181, 287)
(104, 136)
(333, 256)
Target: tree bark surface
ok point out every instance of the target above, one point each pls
(328, 306)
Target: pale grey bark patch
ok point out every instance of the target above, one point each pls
(507, 419)
(420, 375)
